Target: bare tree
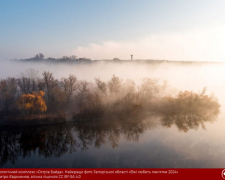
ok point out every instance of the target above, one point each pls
(69, 85)
(50, 84)
(41, 56)
(83, 93)
(101, 86)
(25, 85)
(73, 57)
(8, 94)
(114, 85)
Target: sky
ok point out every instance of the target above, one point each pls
(189, 30)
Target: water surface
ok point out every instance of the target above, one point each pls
(130, 143)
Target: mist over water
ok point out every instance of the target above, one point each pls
(180, 76)
(199, 147)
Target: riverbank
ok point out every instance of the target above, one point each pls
(31, 120)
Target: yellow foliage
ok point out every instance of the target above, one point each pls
(31, 103)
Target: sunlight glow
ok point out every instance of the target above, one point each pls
(192, 45)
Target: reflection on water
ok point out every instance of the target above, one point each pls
(189, 110)
(56, 140)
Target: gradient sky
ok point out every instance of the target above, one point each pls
(104, 29)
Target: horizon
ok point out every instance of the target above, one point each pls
(187, 31)
(71, 58)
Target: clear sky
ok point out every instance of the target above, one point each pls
(104, 29)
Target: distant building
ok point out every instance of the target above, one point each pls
(131, 57)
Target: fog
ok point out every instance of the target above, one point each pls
(199, 44)
(180, 76)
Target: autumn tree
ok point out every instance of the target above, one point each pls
(31, 103)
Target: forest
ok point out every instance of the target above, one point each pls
(40, 99)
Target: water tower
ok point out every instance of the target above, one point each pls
(131, 57)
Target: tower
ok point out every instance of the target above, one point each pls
(131, 57)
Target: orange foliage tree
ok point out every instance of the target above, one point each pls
(31, 103)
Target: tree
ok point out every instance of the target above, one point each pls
(50, 84)
(39, 56)
(102, 86)
(83, 93)
(65, 58)
(31, 103)
(114, 85)
(69, 85)
(8, 93)
(25, 84)
(149, 88)
(73, 57)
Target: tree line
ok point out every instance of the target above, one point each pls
(33, 96)
(72, 58)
